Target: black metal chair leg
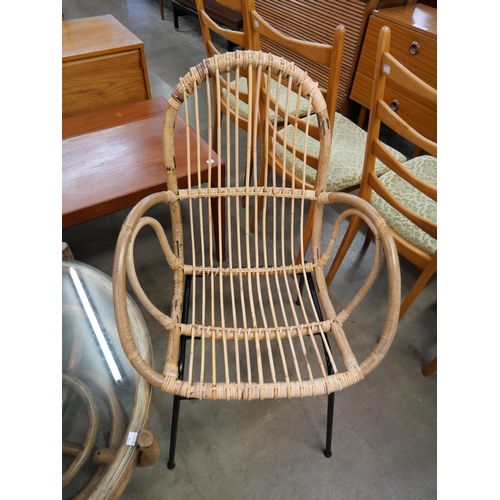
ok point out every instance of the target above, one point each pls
(178, 399)
(173, 431)
(331, 396)
(329, 425)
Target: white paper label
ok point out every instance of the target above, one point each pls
(131, 439)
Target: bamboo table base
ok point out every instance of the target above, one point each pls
(105, 407)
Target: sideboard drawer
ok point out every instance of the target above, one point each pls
(103, 65)
(413, 29)
(403, 39)
(115, 79)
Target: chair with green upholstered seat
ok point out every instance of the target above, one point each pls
(211, 29)
(348, 139)
(406, 195)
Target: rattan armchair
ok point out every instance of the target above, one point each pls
(258, 325)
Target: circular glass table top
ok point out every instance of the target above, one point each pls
(105, 403)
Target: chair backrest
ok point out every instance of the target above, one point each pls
(387, 68)
(326, 56)
(210, 26)
(239, 38)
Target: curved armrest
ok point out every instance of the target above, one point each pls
(123, 266)
(383, 240)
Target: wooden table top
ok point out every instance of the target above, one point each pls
(420, 17)
(112, 159)
(93, 36)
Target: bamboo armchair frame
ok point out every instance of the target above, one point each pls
(258, 322)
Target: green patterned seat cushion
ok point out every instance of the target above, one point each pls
(243, 107)
(424, 167)
(346, 157)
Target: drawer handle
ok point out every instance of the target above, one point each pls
(414, 48)
(394, 105)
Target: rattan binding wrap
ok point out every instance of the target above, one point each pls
(254, 331)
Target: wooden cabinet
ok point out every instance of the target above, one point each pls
(103, 65)
(414, 44)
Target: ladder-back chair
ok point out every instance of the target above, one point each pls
(258, 325)
(209, 28)
(406, 196)
(347, 153)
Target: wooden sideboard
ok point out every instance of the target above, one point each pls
(103, 65)
(414, 44)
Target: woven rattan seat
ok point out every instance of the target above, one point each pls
(256, 325)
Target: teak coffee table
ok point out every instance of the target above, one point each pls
(112, 159)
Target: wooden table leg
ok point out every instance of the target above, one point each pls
(430, 368)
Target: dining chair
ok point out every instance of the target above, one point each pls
(211, 30)
(348, 139)
(258, 325)
(405, 196)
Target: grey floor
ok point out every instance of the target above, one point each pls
(385, 431)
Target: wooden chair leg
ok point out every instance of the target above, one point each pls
(424, 277)
(150, 448)
(161, 10)
(430, 368)
(368, 237)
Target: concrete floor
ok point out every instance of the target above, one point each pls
(385, 432)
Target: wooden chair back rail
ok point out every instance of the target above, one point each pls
(225, 12)
(319, 53)
(237, 37)
(326, 57)
(254, 329)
